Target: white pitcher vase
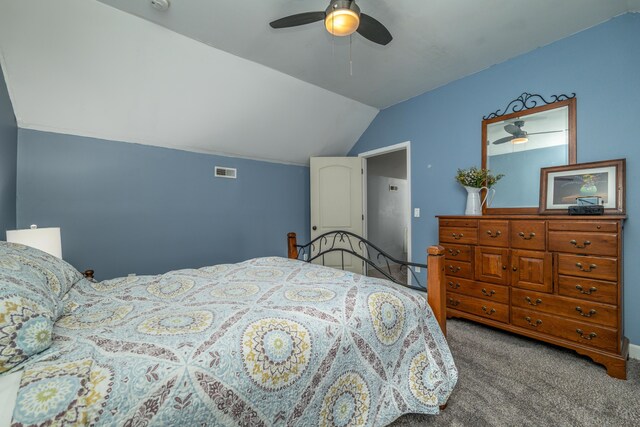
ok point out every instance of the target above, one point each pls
(474, 205)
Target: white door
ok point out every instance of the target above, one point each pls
(336, 204)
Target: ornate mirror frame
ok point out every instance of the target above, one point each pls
(524, 105)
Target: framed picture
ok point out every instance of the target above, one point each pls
(560, 186)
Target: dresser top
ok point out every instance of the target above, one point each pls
(553, 217)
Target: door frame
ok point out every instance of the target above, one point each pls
(377, 152)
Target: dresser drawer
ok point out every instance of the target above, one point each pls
(584, 333)
(602, 226)
(464, 222)
(584, 311)
(588, 266)
(579, 242)
(457, 252)
(458, 269)
(486, 291)
(493, 233)
(593, 290)
(489, 309)
(528, 235)
(459, 235)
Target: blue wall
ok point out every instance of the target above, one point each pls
(127, 208)
(8, 149)
(601, 65)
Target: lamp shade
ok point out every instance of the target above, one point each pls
(45, 239)
(342, 22)
(342, 17)
(520, 140)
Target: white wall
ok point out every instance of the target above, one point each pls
(387, 214)
(393, 165)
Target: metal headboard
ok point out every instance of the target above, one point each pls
(350, 243)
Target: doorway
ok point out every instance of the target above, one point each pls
(387, 203)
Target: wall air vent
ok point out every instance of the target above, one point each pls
(222, 172)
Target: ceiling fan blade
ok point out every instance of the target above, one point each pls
(299, 19)
(502, 140)
(373, 30)
(512, 129)
(549, 131)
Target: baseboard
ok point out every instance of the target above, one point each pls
(634, 351)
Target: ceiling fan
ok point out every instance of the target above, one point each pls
(518, 135)
(341, 18)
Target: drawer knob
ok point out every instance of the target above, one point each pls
(535, 324)
(591, 312)
(537, 302)
(589, 292)
(514, 268)
(486, 310)
(586, 270)
(454, 269)
(454, 285)
(591, 335)
(457, 236)
(529, 237)
(454, 252)
(582, 246)
(504, 267)
(454, 302)
(489, 294)
(494, 235)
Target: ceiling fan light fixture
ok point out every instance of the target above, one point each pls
(520, 140)
(342, 18)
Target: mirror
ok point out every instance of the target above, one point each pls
(518, 144)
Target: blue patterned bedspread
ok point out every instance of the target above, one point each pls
(269, 341)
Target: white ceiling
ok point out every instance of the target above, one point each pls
(83, 68)
(435, 41)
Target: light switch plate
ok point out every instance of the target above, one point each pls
(416, 212)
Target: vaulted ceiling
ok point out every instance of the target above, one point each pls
(212, 76)
(84, 68)
(435, 41)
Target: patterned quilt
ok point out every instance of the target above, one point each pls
(267, 342)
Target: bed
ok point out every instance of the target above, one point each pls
(268, 341)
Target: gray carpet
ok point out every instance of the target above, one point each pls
(506, 380)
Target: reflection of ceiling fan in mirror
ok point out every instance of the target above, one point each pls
(517, 134)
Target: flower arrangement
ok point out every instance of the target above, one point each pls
(477, 178)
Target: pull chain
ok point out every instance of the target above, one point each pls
(333, 45)
(350, 57)
(333, 38)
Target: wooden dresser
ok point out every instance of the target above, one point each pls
(553, 278)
